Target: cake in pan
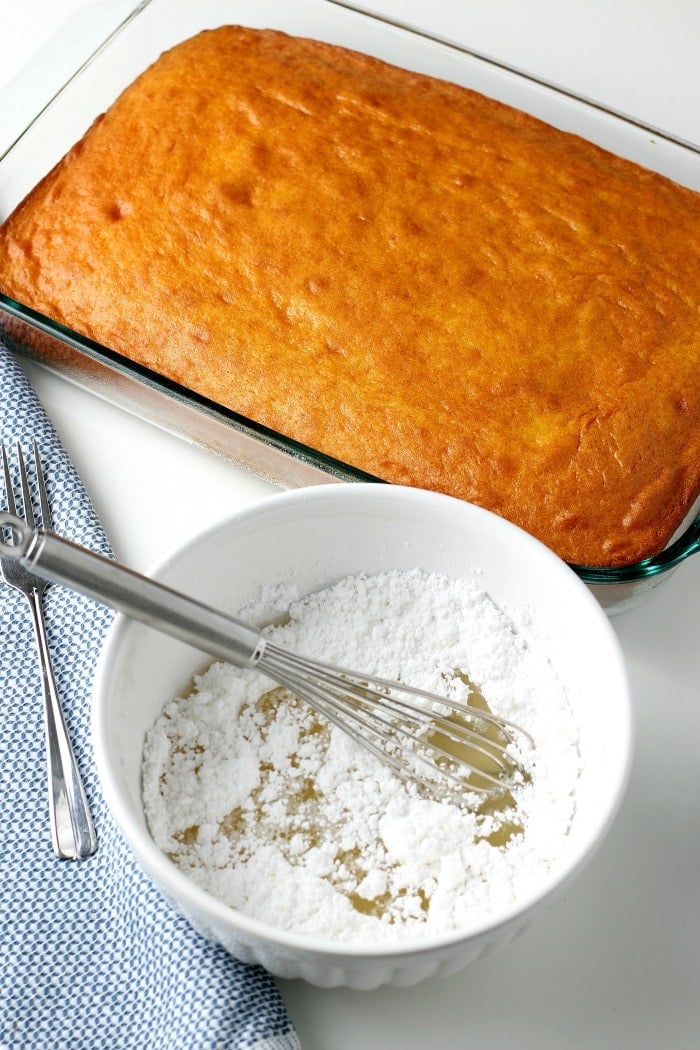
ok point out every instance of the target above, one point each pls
(396, 271)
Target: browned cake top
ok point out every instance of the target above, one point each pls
(427, 284)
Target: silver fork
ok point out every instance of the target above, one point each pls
(72, 831)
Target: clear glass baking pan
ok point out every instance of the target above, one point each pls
(102, 49)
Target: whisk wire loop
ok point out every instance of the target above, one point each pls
(403, 725)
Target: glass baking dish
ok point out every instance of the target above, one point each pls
(101, 51)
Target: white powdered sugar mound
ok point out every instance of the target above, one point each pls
(293, 824)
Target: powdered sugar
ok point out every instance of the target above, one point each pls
(294, 824)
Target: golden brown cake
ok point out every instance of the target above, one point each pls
(399, 272)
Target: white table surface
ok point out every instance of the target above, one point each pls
(616, 964)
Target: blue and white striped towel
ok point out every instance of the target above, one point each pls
(91, 957)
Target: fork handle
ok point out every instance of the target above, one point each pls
(72, 830)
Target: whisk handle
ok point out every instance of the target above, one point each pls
(143, 599)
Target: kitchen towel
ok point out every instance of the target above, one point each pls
(91, 956)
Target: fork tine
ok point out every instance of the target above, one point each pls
(9, 493)
(26, 491)
(44, 504)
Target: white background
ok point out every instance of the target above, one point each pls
(615, 965)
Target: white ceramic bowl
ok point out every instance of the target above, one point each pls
(316, 536)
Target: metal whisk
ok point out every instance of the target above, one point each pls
(451, 751)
